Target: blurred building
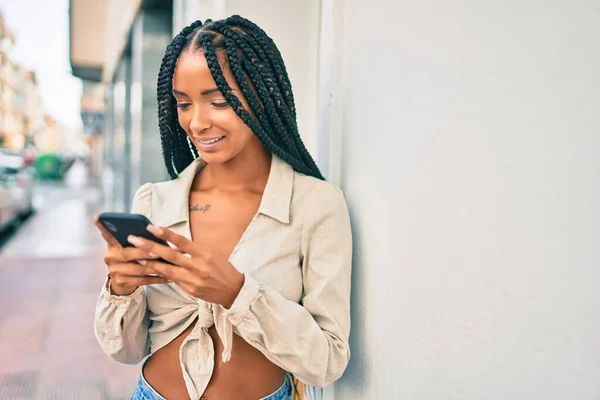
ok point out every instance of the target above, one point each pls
(33, 109)
(8, 124)
(92, 116)
(465, 137)
(50, 139)
(21, 113)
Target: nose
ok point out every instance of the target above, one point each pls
(199, 123)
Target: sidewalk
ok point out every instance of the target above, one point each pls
(51, 273)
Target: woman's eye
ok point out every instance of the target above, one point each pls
(221, 105)
(183, 106)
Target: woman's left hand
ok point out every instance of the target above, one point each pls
(197, 269)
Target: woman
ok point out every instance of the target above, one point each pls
(256, 294)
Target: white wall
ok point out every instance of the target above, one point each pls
(471, 166)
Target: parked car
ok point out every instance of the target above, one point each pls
(8, 214)
(18, 178)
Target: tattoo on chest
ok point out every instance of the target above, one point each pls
(199, 208)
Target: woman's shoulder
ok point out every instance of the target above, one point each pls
(145, 192)
(316, 195)
(150, 196)
(322, 210)
(142, 200)
(159, 187)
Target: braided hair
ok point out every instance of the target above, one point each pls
(259, 71)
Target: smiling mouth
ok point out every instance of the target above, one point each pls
(206, 142)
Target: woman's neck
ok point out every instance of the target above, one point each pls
(247, 171)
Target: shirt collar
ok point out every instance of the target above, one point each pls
(277, 197)
(173, 196)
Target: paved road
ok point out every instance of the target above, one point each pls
(50, 275)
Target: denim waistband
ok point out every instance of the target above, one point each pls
(144, 391)
(284, 392)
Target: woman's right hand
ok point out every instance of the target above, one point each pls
(125, 266)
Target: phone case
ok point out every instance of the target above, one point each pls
(121, 225)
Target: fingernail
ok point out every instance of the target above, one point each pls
(134, 240)
(143, 262)
(153, 255)
(155, 230)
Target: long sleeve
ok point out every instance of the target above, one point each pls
(121, 322)
(310, 339)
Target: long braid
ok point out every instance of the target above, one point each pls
(273, 55)
(264, 79)
(264, 94)
(259, 71)
(267, 50)
(215, 68)
(288, 113)
(254, 35)
(171, 134)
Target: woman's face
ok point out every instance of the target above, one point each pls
(210, 122)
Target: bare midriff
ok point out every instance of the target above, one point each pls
(248, 375)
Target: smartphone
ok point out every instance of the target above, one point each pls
(121, 225)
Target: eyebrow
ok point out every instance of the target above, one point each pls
(204, 93)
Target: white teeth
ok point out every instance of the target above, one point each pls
(211, 141)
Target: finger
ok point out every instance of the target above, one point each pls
(142, 280)
(152, 280)
(132, 270)
(105, 234)
(119, 255)
(181, 243)
(171, 272)
(155, 249)
(108, 238)
(128, 254)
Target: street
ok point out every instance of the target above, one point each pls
(51, 272)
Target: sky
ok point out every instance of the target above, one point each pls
(41, 29)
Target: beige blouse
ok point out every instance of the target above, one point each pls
(294, 306)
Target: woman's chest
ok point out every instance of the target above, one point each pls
(256, 244)
(219, 222)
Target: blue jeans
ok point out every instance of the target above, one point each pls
(144, 391)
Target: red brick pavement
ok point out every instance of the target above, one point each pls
(50, 276)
